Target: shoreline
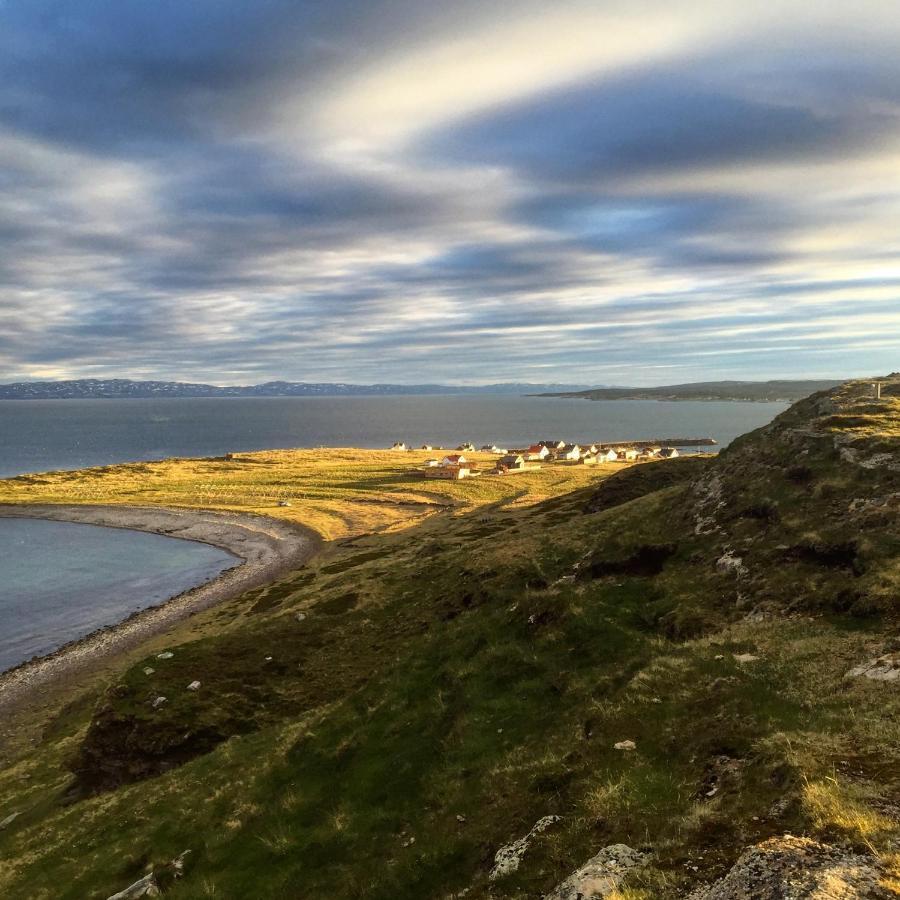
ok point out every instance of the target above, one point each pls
(264, 549)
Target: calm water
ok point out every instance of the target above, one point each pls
(60, 581)
(40, 435)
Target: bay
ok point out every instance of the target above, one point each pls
(60, 581)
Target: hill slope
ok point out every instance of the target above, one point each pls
(386, 721)
(786, 390)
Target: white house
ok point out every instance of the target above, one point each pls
(627, 454)
(608, 455)
(668, 453)
(454, 459)
(537, 452)
(398, 445)
(570, 451)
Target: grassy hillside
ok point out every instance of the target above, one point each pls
(382, 722)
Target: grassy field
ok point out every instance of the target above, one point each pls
(379, 723)
(338, 492)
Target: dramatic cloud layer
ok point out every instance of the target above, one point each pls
(404, 191)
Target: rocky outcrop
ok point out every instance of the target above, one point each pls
(599, 876)
(143, 887)
(508, 857)
(883, 668)
(797, 868)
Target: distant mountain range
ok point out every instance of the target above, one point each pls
(787, 391)
(121, 388)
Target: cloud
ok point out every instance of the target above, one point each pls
(410, 192)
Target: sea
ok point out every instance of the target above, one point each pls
(59, 581)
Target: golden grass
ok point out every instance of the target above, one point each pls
(338, 492)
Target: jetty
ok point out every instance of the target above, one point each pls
(665, 442)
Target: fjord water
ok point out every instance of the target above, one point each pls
(41, 435)
(60, 581)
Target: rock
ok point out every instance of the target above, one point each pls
(508, 858)
(300, 616)
(461, 819)
(625, 745)
(745, 657)
(145, 887)
(9, 820)
(158, 702)
(268, 659)
(884, 668)
(165, 655)
(148, 670)
(599, 876)
(194, 686)
(797, 868)
(729, 564)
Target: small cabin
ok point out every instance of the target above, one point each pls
(668, 453)
(607, 455)
(426, 447)
(627, 454)
(512, 462)
(431, 463)
(466, 447)
(454, 459)
(451, 473)
(398, 445)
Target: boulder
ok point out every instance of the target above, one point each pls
(625, 745)
(166, 654)
(145, 887)
(508, 857)
(5, 823)
(194, 686)
(883, 668)
(158, 702)
(798, 868)
(729, 564)
(599, 876)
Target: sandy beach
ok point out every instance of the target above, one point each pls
(264, 549)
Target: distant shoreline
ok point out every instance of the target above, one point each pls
(264, 549)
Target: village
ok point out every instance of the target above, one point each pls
(456, 466)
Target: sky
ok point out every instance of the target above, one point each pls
(643, 192)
